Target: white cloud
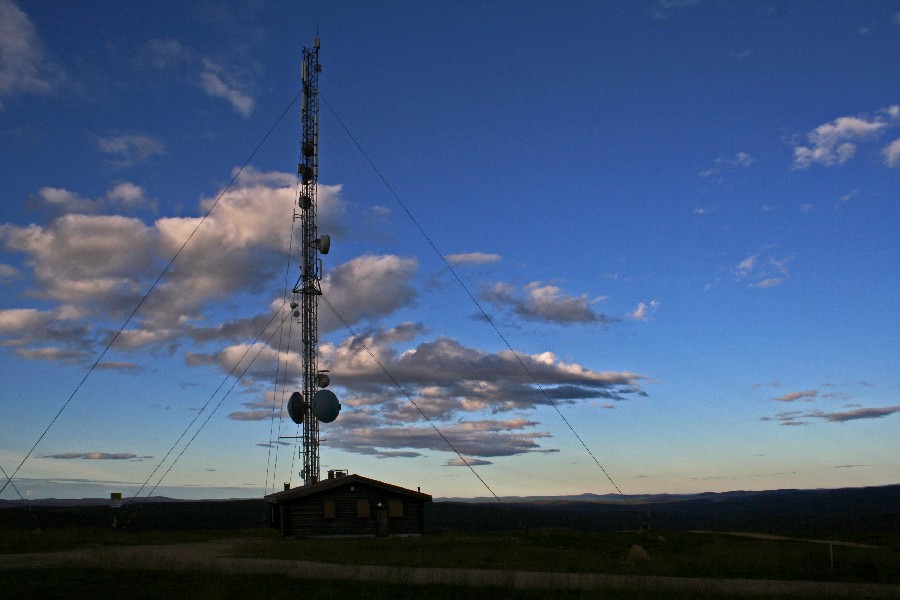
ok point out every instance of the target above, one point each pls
(96, 266)
(126, 194)
(833, 143)
(213, 81)
(376, 217)
(164, 54)
(747, 264)
(43, 335)
(486, 438)
(644, 312)
(95, 456)
(59, 201)
(85, 260)
(23, 67)
(663, 8)
(127, 150)
(496, 381)
(799, 417)
(51, 354)
(859, 413)
(763, 270)
(240, 246)
(450, 383)
(891, 154)
(265, 408)
(473, 258)
(546, 302)
(742, 159)
(16, 319)
(455, 386)
(807, 395)
(846, 198)
(214, 78)
(62, 201)
(8, 272)
(468, 462)
(367, 287)
(233, 330)
(739, 161)
(769, 282)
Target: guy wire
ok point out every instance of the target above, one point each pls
(150, 290)
(469, 293)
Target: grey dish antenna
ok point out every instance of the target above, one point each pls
(295, 408)
(325, 406)
(324, 244)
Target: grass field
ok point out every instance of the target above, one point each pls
(219, 549)
(53, 540)
(139, 585)
(681, 554)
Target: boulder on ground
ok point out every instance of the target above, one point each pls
(638, 555)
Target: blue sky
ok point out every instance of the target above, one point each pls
(681, 215)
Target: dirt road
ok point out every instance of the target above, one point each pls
(766, 536)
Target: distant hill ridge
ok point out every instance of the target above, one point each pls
(102, 501)
(771, 511)
(625, 499)
(588, 497)
(847, 509)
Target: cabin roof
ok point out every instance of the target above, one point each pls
(329, 484)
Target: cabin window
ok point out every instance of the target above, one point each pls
(395, 508)
(328, 506)
(362, 509)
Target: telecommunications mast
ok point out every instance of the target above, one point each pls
(314, 403)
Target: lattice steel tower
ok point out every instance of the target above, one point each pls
(313, 404)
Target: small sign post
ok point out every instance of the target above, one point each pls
(115, 502)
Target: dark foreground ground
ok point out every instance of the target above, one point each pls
(470, 550)
(140, 585)
(529, 564)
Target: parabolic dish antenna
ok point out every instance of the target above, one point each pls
(295, 408)
(325, 406)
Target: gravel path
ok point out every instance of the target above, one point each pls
(766, 536)
(218, 555)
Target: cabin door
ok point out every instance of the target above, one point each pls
(381, 522)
